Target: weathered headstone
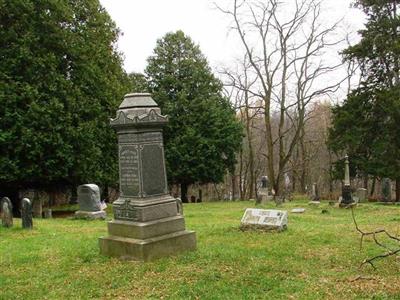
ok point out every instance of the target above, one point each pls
(26, 213)
(386, 190)
(361, 194)
(146, 224)
(346, 189)
(6, 212)
(90, 205)
(264, 219)
(37, 205)
(48, 214)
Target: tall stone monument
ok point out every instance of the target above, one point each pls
(346, 190)
(146, 224)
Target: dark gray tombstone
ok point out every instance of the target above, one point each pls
(90, 205)
(26, 213)
(146, 224)
(6, 212)
(386, 190)
(264, 182)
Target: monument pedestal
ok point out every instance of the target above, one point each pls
(125, 247)
(146, 240)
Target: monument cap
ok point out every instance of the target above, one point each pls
(135, 100)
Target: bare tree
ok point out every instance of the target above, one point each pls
(240, 82)
(286, 68)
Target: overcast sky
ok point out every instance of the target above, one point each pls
(142, 22)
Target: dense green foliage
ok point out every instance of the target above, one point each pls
(367, 124)
(203, 134)
(318, 257)
(138, 83)
(60, 82)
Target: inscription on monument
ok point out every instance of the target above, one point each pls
(133, 138)
(154, 180)
(129, 170)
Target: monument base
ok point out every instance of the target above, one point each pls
(146, 241)
(80, 214)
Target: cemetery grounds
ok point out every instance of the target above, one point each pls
(318, 257)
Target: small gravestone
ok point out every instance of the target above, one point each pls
(48, 213)
(314, 203)
(298, 210)
(90, 205)
(264, 219)
(37, 206)
(26, 213)
(6, 212)
(361, 194)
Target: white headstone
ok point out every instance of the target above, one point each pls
(268, 219)
(298, 210)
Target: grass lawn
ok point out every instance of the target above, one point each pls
(318, 257)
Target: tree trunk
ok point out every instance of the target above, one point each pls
(251, 151)
(372, 187)
(106, 194)
(184, 192)
(397, 189)
(241, 194)
(233, 183)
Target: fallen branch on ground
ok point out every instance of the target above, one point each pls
(375, 235)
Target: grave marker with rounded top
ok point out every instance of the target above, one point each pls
(26, 213)
(147, 224)
(90, 205)
(6, 212)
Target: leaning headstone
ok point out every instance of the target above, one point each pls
(26, 213)
(90, 205)
(361, 194)
(6, 212)
(147, 224)
(386, 190)
(264, 219)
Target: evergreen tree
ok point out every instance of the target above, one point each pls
(203, 134)
(366, 125)
(60, 82)
(138, 83)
